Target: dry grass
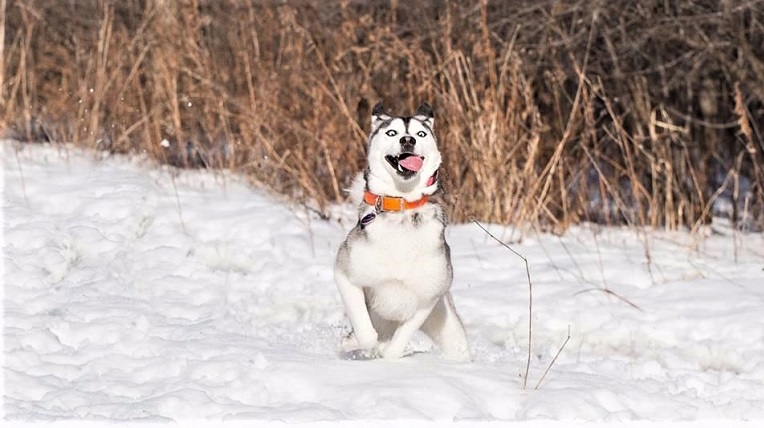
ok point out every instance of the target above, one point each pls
(550, 113)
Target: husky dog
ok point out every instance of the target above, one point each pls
(394, 269)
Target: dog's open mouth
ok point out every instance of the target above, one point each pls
(406, 164)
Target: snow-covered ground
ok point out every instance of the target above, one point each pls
(130, 294)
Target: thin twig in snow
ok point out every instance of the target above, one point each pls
(530, 298)
(21, 173)
(612, 293)
(553, 359)
(177, 202)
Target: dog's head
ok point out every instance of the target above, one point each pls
(403, 154)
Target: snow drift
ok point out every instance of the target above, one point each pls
(137, 293)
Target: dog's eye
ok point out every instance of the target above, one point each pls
(421, 134)
(391, 133)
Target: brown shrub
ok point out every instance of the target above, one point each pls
(549, 113)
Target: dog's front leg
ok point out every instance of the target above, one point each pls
(355, 306)
(395, 347)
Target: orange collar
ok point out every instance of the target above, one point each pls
(391, 203)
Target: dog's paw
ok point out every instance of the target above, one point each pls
(351, 343)
(367, 341)
(352, 350)
(389, 351)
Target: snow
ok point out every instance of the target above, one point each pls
(139, 293)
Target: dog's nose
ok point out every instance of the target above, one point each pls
(408, 141)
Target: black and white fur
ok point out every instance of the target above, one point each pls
(394, 273)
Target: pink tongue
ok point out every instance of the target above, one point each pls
(412, 163)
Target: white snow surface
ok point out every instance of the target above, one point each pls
(134, 292)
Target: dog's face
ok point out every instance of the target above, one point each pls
(403, 154)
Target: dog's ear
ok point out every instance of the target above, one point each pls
(424, 113)
(378, 115)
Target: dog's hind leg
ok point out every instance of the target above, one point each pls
(445, 328)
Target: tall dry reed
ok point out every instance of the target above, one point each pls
(549, 113)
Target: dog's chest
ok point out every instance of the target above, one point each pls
(404, 236)
(405, 248)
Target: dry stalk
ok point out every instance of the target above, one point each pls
(551, 363)
(611, 293)
(530, 297)
(177, 203)
(21, 173)
(2, 52)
